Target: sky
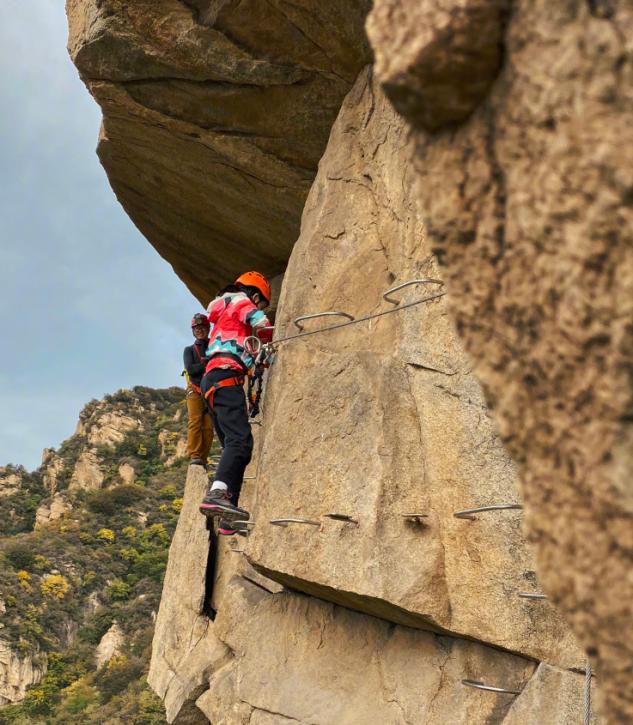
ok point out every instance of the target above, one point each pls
(86, 304)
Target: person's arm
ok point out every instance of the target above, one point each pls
(192, 365)
(251, 315)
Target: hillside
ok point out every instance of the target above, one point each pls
(83, 548)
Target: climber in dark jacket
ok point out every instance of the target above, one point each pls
(200, 429)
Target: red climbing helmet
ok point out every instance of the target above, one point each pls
(257, 280)
(200, 319)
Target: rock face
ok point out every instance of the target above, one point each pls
(10, 481)
(17, 673)
(508, 185)
(173, 447)
(528, 206)
(386, 422)
(448, 54)
(110, 427)
(87, 474)
(378, 421)
(52, 509)
(52, 466)
(272, 655)
(127, 473)
(215, 117)
(110, 645)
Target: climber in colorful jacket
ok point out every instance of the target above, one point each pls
(236, 314)
(199, 428)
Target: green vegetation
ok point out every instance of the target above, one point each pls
(66, 583)
(17, 510)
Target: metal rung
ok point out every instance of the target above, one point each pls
(299, 320)
(246, 524)
(237, 551)
(480, 686)
(424, 280)
(249, 478)
(467, 513)
(255, 422)
(341, 517)
(415, 517)
(530, 595)
(285, 522)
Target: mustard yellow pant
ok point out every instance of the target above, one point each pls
(199, 428)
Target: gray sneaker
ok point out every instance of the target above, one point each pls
(217, 503)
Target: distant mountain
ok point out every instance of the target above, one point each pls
(83, 548)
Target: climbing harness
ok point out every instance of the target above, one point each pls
(255, 385)
(254, 347)
(227, 383)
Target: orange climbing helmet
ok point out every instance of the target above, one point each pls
(257, 280)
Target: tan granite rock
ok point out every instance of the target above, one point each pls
(10, 481)
(378, 420)
(52, 466)
(215, 116)
(173, 446)
(185, 649)
(52, 509)
(110, 645)
(308, 661)
(528, 206)
(437, 58)
(110, 427)
(17, 673)
(271, 656)
(87, 474)
(554, 696)
(127, 473)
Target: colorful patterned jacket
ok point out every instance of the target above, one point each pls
(233, 318)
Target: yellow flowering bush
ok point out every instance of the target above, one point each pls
(54, 585)
(25, 580)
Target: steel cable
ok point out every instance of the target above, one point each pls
(357, 321)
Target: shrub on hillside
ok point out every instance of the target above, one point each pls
(54, 585)
(20, 555)
(110, 500)
(117, 675)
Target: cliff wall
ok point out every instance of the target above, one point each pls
(327, 621)
(526, 195)
(215, 115)
(502, 182)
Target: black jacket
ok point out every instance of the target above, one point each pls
(195, 361)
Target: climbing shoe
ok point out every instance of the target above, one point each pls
(196, 462)
(228, 528)
(217, 503)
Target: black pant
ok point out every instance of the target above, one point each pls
(230, 420)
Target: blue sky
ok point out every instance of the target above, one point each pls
(86, 304)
